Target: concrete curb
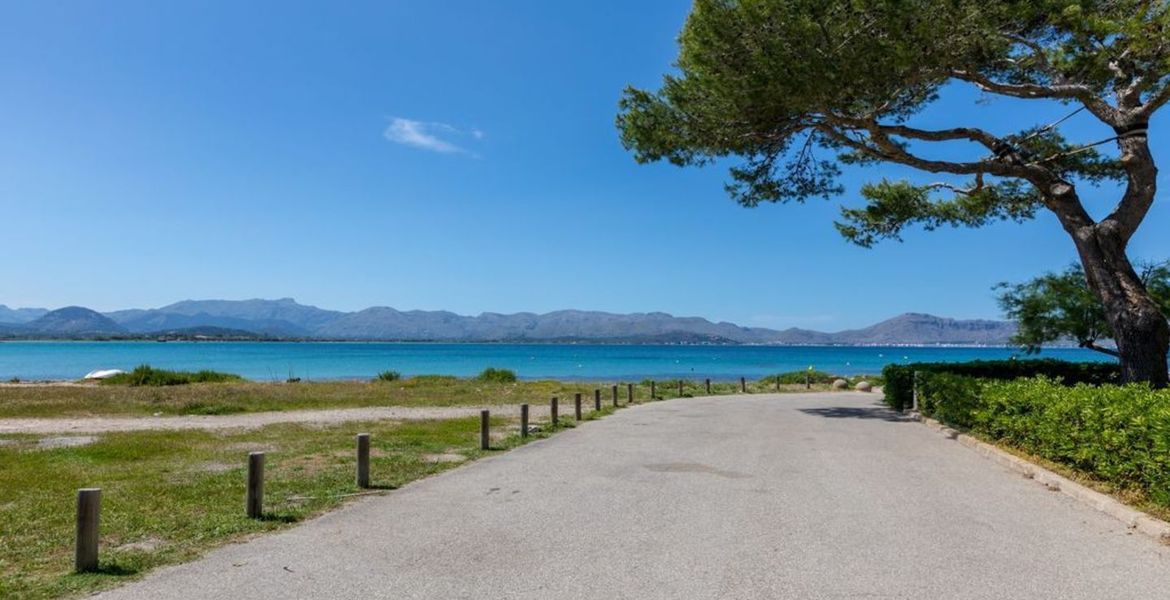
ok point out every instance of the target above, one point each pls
(1131, 517)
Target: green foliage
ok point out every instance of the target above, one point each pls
(1116, 434)
(899, 379)
(949, 398)
(150, 376)
(794, 88)
(495, 375)
(1058, 306)
(794, 377)
(389, 376)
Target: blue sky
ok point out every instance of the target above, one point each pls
(454, 155)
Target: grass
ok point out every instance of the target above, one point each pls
(148, 375)
(168, 497)
(248, 396)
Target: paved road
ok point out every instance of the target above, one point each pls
(766, 496)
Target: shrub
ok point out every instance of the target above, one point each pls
(148, 375)
(494, 375)
(389, 376)
(950, 398)
(1114, 433)
(795, 377)
(899, 379)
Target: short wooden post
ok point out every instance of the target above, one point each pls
(485, 435)
(653, 394)
(552, 409)
(807, 381)
(680, 388)
(630, 393)
(914, 393)
(777, 383)
(89, 508)
(577, 405)
(708, 386)
(254, 503)
(615, 402)
(363, 460)
(597, 399)
(743, 385)
(523, 420)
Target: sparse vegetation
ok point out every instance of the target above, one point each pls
(389, 376)
(146, 375)
(793, 377)
(495, 375)
(168, 497)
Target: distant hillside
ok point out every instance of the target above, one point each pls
(282, 317)
(388, 323)
(286, 319)
(74, 320)
(928, 329)
(20, 315)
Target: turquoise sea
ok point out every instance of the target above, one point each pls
(277, 361)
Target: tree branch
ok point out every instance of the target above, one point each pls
(1090, 345)
(886, 149)
(1066, 91)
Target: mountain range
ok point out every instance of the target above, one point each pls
(287, 319)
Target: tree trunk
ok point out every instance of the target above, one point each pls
(1139, 327)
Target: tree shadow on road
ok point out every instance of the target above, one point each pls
(879, 413)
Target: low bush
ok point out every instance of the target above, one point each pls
(795, 377)
(494, 375)
(148, 375)
(1118, 434)
(899, 379)
(389, 376)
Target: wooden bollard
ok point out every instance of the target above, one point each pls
(708, 386)
(89, 508)
(597, 399)
(807, 381)
(552, 409)
(653, 395)
(680, 388)
(254, 504)
(485, 435)
(523, 420)
(577, 405)
(742, 385)
(777, 383)
(630, 393)
(615, 401)
(914, 393)
(363, 460)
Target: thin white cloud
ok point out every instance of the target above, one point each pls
(433, 136)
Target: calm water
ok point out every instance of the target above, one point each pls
(277, 361)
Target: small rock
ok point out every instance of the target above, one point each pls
(840, 384)
(864, 386)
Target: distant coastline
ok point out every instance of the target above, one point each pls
(319, 360)
(285, 320)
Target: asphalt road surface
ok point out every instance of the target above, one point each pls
(763, 496)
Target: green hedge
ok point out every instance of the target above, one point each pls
(899, 379)
(1118, 434)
